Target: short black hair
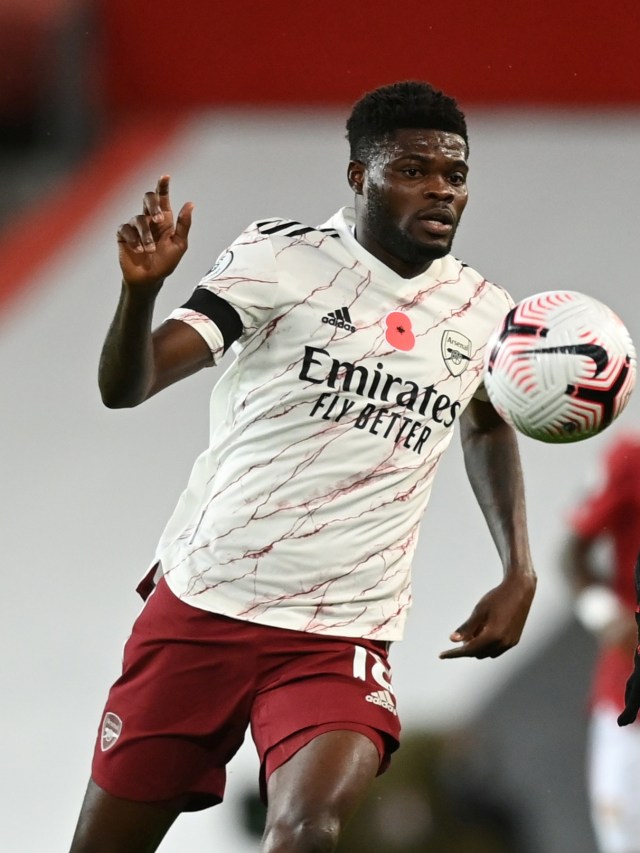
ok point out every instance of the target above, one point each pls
(407, 104)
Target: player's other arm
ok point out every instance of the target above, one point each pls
(493, 466)
(137, 362)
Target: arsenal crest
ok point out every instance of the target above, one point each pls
(111, 728)
(456, 351)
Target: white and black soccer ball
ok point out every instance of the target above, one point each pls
(560, 367)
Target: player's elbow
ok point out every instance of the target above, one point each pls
(117, 404)
(116, 398)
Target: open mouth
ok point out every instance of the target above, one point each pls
(437, 222)
(436, 226)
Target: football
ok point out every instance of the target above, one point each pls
(560, 367)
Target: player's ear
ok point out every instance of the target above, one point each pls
(355, 175)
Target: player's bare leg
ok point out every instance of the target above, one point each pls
(108, 824)
(313, 794)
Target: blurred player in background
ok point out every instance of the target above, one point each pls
(284, 573)
(599, 559)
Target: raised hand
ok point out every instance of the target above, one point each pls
(152, 244)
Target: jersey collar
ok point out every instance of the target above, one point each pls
(344, 221)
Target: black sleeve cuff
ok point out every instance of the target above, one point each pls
(217, 309)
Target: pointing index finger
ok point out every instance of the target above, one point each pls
(162, 190)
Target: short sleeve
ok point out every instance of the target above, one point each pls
(481, 393)
(505, 304)
(236, 297)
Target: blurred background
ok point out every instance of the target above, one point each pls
(244, 104)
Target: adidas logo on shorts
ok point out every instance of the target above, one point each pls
(340, 318)
(384, 699)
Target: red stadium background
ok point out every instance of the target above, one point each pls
(139, 67)
(486, 52)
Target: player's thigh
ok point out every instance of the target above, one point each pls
(315, 684)
(179, 711)
(108, 824)
(326, 779)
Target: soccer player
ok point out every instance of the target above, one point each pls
(605, 604)
(283, 575)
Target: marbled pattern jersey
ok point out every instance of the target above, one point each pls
(326, 430)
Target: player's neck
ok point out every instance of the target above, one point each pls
(405, 269)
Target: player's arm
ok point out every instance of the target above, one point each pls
(492, 461)
(137, 362)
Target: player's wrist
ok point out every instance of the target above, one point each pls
(521, 572)
(142, 291)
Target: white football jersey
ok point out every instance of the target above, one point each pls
(326, 430)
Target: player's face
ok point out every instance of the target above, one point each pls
(410, 197)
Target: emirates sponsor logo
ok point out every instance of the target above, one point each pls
(393, 394)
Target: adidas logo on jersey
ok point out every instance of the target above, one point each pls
(340, 318)
(384, 699)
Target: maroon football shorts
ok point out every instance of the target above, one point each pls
(194, 681)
